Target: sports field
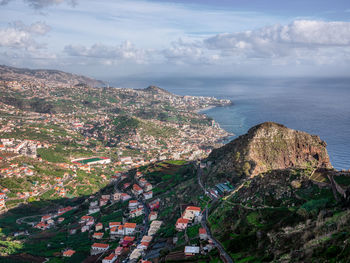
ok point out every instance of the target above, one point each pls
(90, 160)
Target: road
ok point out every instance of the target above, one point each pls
(22, 219)
(224, 255)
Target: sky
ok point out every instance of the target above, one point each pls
(178, 38)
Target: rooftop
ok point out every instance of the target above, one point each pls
(100, 245)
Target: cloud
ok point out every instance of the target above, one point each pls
(38, 28)
(39, 4)
(107, 53)
(302, 42)
(19, 35)
(181, 51)
(189, 52)
(280, 41)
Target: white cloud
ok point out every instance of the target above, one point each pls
(10, 37)
(19, 35)
(279, 41)
(184, 52)
(306, 44)
(38, 4)
(108, 54)
(300, 43)
(38, 28)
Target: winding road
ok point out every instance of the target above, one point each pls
(224, 255)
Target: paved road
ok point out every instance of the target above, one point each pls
(22, 219)
(224, 255)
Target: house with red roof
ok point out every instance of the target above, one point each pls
(136, 189)
(181, 224)
(68, 253)
(114, 224)
(143, 245)
(64, 210)
(129, 228)
(127, 241)
(136, 212)
(147, 239)
(203, 234)
(42, 226)
(118, 251)
(45, 218)
(191, 212)
(85, 219)
(120, 230)
(110, 259)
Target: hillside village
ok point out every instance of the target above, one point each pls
(127, 232)
(124, 232)
(147, 124)
(41, 127)
(62, 141)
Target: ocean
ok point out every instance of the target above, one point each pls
(316, 105)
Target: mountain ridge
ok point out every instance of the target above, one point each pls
(9, 73)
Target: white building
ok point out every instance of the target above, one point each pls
(98, 248)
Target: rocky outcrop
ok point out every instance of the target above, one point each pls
(270, 146)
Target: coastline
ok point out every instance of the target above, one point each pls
(229, 135)
(205, 109)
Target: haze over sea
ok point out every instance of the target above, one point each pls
(316, 105)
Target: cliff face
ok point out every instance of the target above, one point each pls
(270, 146)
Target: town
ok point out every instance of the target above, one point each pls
(82, 159)
(121, 222)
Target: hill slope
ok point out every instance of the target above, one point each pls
(45, 76)
(270, 146)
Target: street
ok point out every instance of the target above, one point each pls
(224, 255)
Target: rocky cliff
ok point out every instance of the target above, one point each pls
(270, 146)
